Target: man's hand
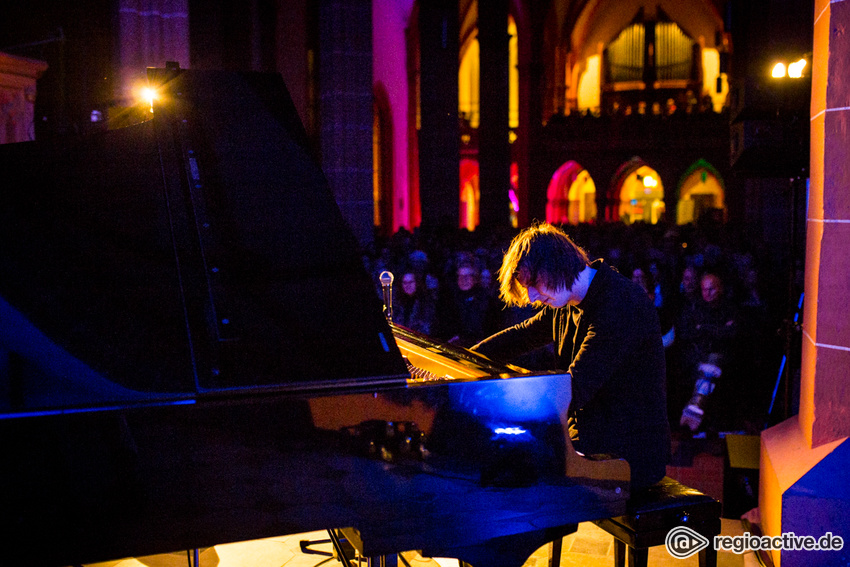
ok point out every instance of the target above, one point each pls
(691, 417)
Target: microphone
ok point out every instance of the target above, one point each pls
(387, 287)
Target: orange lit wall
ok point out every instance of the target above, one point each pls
(825, 400)
(801, 487)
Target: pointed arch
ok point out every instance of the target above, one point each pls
(636, 194)
(528, 20)
(700, 188)
(469, 72)
(513, 195)
(469, 194)
(571, 195)
(382, 160)
(678, 34)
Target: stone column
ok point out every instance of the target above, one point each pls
(825, 395)
(439, 153)
(494, 149)
(533, 177)
(345, 109)
(804, 460)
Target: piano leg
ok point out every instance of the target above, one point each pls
(620, 552)
(383, 561)
(337, 543)
(555, 548)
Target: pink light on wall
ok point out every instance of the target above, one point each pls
(390, 20)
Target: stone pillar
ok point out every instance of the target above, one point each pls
(533, 178)
(150, 32)
(494, 150)
(293, 40)
(345, 109)
(825, 395)
(18, 77)
(804, 459)
(439, 146)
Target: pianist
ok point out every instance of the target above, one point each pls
(606, 335)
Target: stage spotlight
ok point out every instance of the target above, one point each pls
(795, 70)
(148, 95)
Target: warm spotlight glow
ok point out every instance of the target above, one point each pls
(778, 71)
(148, 95)
(650, 181)
(795, 69)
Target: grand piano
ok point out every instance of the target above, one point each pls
(192, 353)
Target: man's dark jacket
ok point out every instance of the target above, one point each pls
(611, 345)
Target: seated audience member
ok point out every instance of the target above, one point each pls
(413, 305)
(643, 276)
(465, 310)
(708, 333)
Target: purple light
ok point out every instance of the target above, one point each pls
(514, 200)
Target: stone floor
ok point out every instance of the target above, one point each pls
(588, 547)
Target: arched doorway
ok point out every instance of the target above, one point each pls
(571, 195)
(469, 73)
(469, 97)
(700, 189)
(636, 194)
(512, 195)
(382, 161)
(469, 194)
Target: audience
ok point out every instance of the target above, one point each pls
(465, 309)
(720, 326)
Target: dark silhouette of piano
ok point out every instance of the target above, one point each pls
(191, 353)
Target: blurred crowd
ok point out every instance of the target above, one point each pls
(720, 301)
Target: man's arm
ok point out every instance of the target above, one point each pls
(515, 341)
(615, 337)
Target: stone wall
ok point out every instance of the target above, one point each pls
(18, 77)
(804, 460)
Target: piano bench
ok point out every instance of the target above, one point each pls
(652, 513)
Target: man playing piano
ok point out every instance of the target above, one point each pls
(606, 335)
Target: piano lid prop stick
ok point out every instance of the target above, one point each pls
(387, 287)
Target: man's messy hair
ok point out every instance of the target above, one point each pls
(539, 254)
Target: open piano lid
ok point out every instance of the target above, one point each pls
(198, 253)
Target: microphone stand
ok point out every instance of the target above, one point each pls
(387, 287)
